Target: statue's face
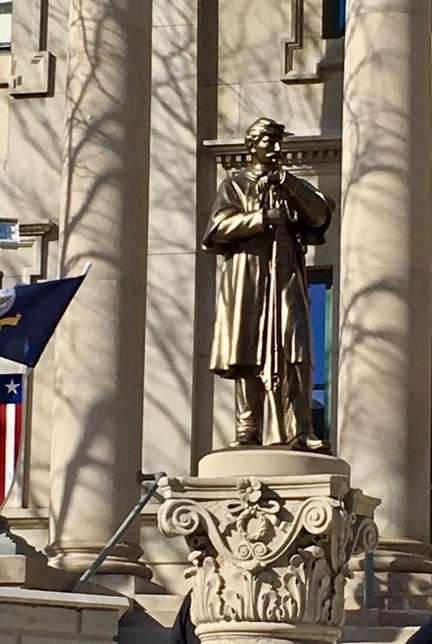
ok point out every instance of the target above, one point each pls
(267, 149)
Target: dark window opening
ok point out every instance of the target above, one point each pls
(320, 294)
(334, 17)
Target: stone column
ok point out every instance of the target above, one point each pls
(385, 289)
(100, 342)
(269, 552)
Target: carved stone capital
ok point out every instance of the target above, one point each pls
(269, 555)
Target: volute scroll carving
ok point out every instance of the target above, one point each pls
(257, 557)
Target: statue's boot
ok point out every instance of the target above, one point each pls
(309, 442)
(246, 437)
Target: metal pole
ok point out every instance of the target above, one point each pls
(150, 485)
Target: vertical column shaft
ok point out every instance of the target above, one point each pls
(100, 342)
(385, 316)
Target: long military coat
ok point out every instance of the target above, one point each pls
(237, 231)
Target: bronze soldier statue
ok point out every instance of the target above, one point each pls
(262, 219)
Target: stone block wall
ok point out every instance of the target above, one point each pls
(39, 617)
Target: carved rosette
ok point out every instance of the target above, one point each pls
(269, 562)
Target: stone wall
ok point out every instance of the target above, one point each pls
(39, 617)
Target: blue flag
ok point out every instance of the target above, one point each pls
(29, 315)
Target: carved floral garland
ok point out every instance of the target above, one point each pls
(254, 562)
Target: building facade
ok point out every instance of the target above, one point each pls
(117, 120)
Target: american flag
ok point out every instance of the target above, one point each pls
(10, 428)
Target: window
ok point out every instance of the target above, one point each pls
(320, 294)
(5, 24)
(334, 16)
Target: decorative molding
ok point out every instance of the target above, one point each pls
(294, 41)
(298, 152)
(32, 74)
(325, 67)
(35, 236)
(265, 556)
(39, 228)
(29, 261)
(33, 69)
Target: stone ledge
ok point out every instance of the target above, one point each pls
(40, 617)
(65, 600)
(373, 617)
(19, 571)
(376, 634)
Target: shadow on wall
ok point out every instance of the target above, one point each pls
(105, 181)
(385, 253)
(30, 191)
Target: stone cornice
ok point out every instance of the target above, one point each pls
(36, 229)
(298, 152)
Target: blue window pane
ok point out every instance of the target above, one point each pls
(317, 294)
(318, 398)
(320, 289)
(342, 14)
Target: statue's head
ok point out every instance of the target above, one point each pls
(264, 140)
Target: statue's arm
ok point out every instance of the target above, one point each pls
(313, 208)
(229, 222)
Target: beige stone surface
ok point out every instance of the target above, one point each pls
(98, 623)
(33, 527)
(162, 608)
(170, 295)
(99, 376)
(384, 370)
(45, 616)
(37, 618)
(37, 128)
(172, 209)
(298, 106)
(182, 12)
(167, 559)
(228, 106)
(252, 53)
(269, 461)
(168, 363)
(5, 63)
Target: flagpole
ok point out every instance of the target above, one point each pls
(24, 453)
(87, 267)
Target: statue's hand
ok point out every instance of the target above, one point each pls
(275, 216)
(269, 180)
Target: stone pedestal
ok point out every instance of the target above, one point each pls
(269, 551)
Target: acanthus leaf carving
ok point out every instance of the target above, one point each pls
(259, 559)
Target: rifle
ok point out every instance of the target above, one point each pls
(271, 374)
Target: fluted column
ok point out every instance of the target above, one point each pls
(100, 343)
(385, 301)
